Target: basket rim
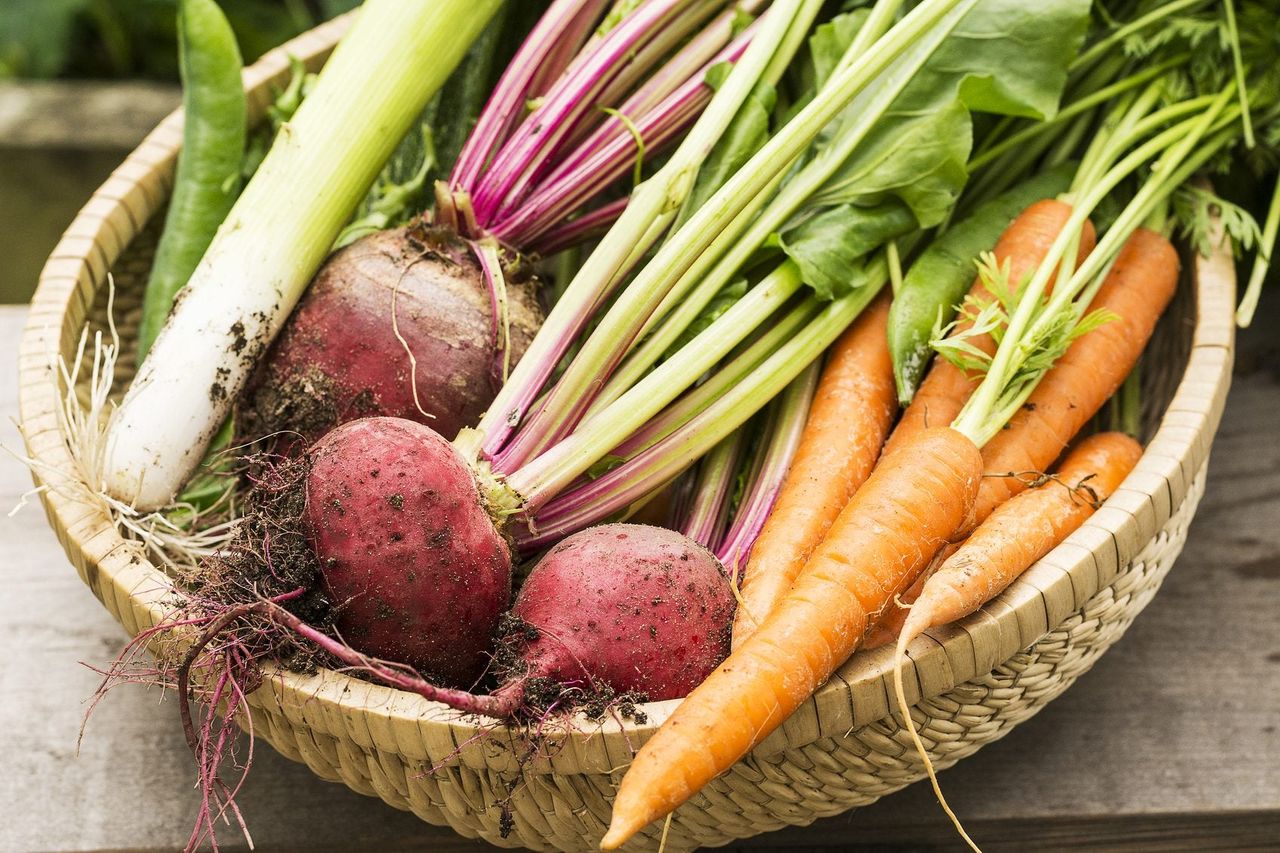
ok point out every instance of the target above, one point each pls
(1058, 585)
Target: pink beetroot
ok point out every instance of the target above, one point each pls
(637, 608)
(415, 569)
(616, 609)
(339, 357)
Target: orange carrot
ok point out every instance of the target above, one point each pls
(885, 630)
(1004, 546)
(848, 421)
(1011, 539)
(1022, 246)
(1022, 531)
(1137, 289)
(908, 507)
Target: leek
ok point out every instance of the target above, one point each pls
(379, 79)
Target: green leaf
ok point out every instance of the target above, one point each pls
(829, 245)
(1004, 56)
(748, 131)
(829, 42)
(1008, 56)
(919, 158)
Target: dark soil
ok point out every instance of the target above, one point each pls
(270, 557)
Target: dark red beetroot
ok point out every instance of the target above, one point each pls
(338, 357)
(415, 569)
(633, 607)
(615, 609)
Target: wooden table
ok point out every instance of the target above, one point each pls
(1171, 741)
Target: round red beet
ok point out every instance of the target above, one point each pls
(414, 567)
(338, 358)
(633, 607)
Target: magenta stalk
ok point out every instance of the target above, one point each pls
(544, 55)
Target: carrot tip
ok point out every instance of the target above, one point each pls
(620, 831)
(917, 623)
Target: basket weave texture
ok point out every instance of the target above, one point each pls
(970, 683)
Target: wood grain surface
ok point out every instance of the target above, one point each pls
(1170, 743)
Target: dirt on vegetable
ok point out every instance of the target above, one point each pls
(401, 323)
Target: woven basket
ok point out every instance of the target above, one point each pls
(970, 683)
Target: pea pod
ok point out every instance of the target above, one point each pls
(208, 174)
(941, 276)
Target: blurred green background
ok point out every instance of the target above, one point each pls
(80, 82)
(134, 38)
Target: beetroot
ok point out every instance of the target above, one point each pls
(616, 609)
(338, 357)
(637, 608)
(415, 569)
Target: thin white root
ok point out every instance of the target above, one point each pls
(908, 634)
(177, 547)
(413, 359)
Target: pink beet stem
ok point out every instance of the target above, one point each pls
(634, 70)
(578, 230)
(689, 63)
(599, 162)
(518, 161)
(543, 55)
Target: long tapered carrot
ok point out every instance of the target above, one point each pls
(1022, 531)
(847, 424)
(1022, 247)
(1137, 289)
(908, 507)
(1016, 534)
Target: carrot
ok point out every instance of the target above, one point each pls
(1011, 539)
(1022, 246)
(888, 532)
(1004, 546)
(1022, 531)
(885, 630)
(848, 421)
(1136, 290)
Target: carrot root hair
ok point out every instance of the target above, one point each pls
(910, 631)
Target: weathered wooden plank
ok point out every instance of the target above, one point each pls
(1170, 743)
(82, 115)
